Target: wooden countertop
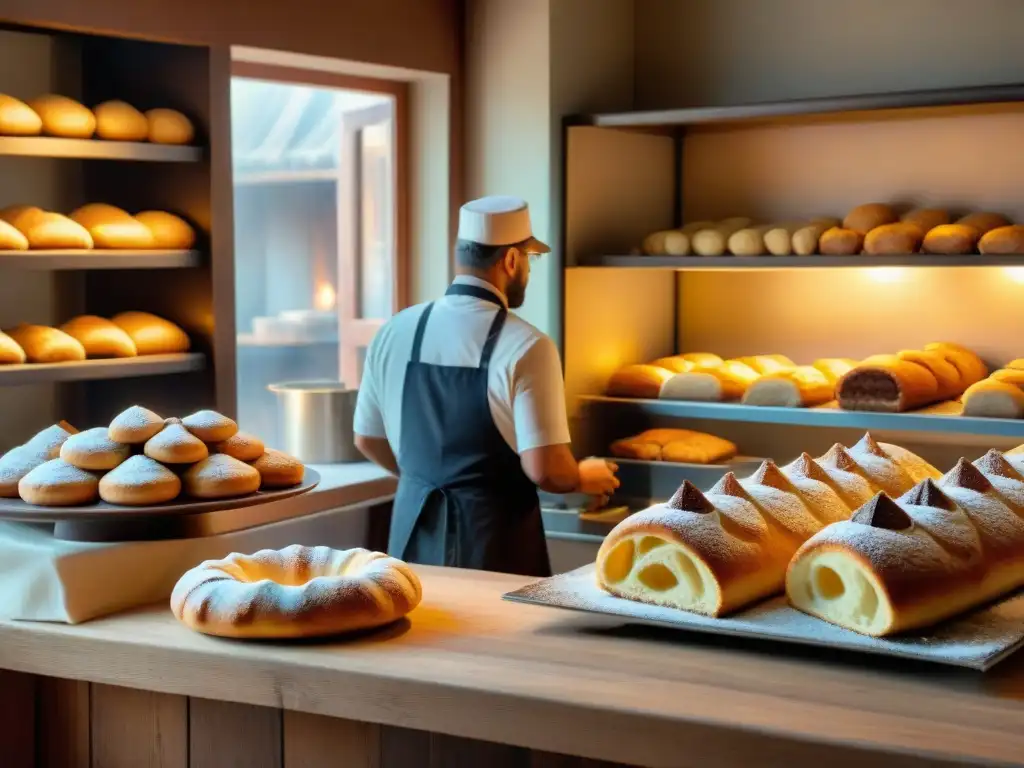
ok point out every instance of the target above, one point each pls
(469, 664)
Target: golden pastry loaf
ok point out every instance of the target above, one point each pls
(46, 231)
(11, 238)
(995, 399)
(152, 335)
(717, 552)
(937, 550)
(800, 387)
(169, 231)
(168, 126)
(676, 364)
(99, 337)
(898, 238)
(11, 352)
(120, 121)
(711, 383)
(983, 221)
(1003, 241)
(925, 219)
(17, 118)
(46, 345)
(680, 445)
(64, 117)
(865, 218)
(295, 592)
(111, 227)
(839, 241)
(951, 239)
(642, 381)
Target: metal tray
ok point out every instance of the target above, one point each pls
(978, 640)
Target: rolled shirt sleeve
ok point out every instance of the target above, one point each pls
(538, 398)
(369, 418)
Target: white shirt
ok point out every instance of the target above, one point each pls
(524, 384)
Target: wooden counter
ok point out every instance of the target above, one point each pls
(468, 666)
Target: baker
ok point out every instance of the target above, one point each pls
(465, 403)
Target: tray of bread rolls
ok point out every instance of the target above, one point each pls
(142, 468)
(865, 549)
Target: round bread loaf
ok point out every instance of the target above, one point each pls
(153, 335)
(168, 126)
(983, 221)
(94, 450)
(864, 218)
(111, 227)
(11, 238)
(99, 337)
(169, 231)
(120, 121)
(279, 470)
(46, 345)
(295, 592)
(898, 238)
(925, 219)
(10, 352)
(138, 482)
(175, 445)
(241, 446)
(56, 483)
(839, 241)
(951, 239)
(210, 426)
(17, 118)
(64, 117)
(135, 425)
(220, 477)
(1003, 241)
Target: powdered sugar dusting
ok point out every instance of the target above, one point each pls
(91, 441)
(207, 420)
(134, 418)
(977, 641)
(139, 471)
(219, 467)
(57, 472)
(17, 463)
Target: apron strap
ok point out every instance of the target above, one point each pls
(492, 337)
(461, 289)
(421, 327)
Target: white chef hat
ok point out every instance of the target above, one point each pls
(499, 220)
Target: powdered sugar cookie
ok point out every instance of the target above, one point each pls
(175, 445)
(139, 481)
(135, 425)
(241, 446)
(210, 426)
(93, 449)
(279, 470)
(220, 477)
(58, 484)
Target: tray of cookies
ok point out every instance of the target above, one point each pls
(143, 465)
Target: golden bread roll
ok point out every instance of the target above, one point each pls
(701, 358)
(716, 552)
(21, 217)
(864, 218)
(99, 337)
(135, 425)
(714, 241)
(748, 241)
(887, 383)
(241, 446)
(834, 368)
(220, 477)
(778, 238)
(1003, 241)
(45, 231)
(169, 231)
(19, 461)
(806, 239)
(64, 117)
(936, 551)
(994, 398)
(696, 226)
(46, 345)
(641, 381)
(279, 470)
(120, 121)
(678, 445)
(11, 238)
(925, 219)
(210, 426)
(94, 450)
(951, 239)
(175, 445)
(11, 352)
(153, 335)
(17, 118)
(984, 222)
(139, 482)
(971, 367)
(767, 363)
(838, 241)
(801, 387)
(676, 364)
(1017, 364)
(1013, 376)
(168, 126)
(898, 238)
(670, 242)
(947, 376)
(110, 227)
(56, 483)
(295, 592)
(718, 383)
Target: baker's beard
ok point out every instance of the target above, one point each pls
(515, 291)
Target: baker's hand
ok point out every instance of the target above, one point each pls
(598, 480)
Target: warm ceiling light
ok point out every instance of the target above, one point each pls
(325, 297)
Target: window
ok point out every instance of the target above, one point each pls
(318, 265)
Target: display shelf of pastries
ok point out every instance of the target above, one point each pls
(93, 370)
(68, 259)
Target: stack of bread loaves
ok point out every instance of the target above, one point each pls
(142, 459)
(96, 225)
(739, 236)
(54, 115)
(715, 552)
(127, 334)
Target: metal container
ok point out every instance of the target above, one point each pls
(316, 421)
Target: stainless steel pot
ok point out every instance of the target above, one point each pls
(316, 421)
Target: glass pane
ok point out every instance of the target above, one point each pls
(376, 279)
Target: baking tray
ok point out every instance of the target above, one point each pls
(978, 640)
(110, 522)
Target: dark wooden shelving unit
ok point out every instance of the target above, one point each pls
(97, 149)
(724, 263)
(67, 260)
(93, 370)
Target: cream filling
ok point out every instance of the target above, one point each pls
(839, 589)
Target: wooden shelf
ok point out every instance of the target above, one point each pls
(98, 259)
(941, 418)
(948, 97)
(91, 370)
(727, 263)
(97, 149)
